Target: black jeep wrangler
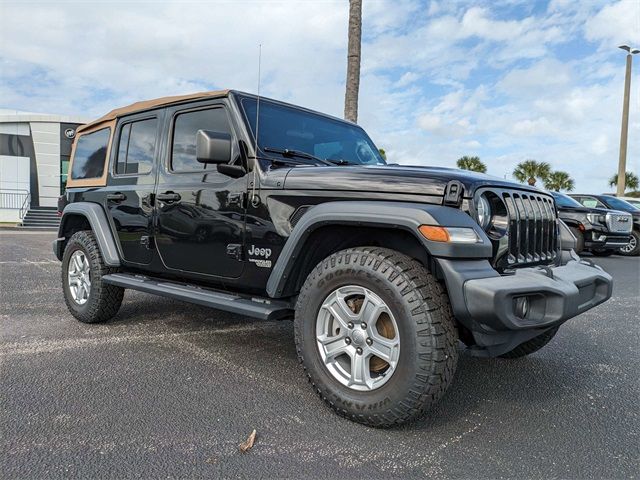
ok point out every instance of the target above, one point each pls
(273, 211)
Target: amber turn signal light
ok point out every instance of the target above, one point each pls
(435, 234)
(449, 234)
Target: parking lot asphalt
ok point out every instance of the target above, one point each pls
(169, 389)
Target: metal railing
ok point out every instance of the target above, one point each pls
(12, 199)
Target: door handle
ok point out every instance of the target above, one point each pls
(168, 197)
(116, 197)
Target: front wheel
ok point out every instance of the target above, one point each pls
(375, 334)
(632, 249)
(87, 296)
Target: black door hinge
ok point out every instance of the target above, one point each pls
(234, 250)
(453, 194)
(236, 198)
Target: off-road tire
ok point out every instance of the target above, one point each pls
(636, 250)
(579, 239)
(531, 346)
(427, 332)
(104, 300)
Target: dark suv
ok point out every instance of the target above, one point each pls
(273, 211)
(597, 230)
(610, 202)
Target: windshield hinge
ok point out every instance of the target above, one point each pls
(236, 198)
(453, 194)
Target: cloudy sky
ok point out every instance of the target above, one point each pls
(506, 80)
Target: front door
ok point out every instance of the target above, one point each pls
(131, 185)
(200, 212)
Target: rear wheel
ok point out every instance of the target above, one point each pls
(88, 298)
(532, 345)
(376, 336)
(632, 249)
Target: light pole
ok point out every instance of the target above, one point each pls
(622, 161)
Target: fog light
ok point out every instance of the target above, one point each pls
(521, 306)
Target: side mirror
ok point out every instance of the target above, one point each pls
(213, 147)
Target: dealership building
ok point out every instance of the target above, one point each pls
(34, 159)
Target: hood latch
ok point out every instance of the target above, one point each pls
(453, 194)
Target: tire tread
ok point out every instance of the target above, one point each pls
(437, 342)
(105, 300)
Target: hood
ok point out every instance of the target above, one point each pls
(393, 179)
(582, 209)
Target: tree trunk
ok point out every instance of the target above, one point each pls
(532, 181)
(353, 61)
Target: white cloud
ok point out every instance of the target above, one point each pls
(407, 79)
(476, 22)
(617, 23)
(536, 127)
(540, 77)
(439, 79)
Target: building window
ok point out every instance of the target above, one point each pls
(137, 146)
(183, 156)
(90, 154)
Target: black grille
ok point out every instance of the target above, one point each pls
(532, 228)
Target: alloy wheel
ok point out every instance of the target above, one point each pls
(79, 277)
(358, 338)
(629, 247)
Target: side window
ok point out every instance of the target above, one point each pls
(90, 154)
(137, 147)
(590, 202)
(185, 127)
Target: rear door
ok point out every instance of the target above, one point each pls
(200, 212)
(131, 185)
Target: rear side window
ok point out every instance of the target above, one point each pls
(90, 154)
(137, 147)
(185, 127)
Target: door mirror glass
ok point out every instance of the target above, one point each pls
(213, 147)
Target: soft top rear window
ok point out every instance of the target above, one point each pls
(90, 154)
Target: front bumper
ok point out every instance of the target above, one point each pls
(605, 240)
(489, 304)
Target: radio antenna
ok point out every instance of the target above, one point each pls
(255, 200)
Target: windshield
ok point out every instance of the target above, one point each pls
(563, 200)
(619, 204)
(287, 128)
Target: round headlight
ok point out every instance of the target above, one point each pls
(483, 211)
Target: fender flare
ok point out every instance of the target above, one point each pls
(406, 216)
(97, 218)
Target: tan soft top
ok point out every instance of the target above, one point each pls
(147, 105)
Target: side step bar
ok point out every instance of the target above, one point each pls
(256, 307)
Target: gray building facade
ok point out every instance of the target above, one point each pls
(34, 160)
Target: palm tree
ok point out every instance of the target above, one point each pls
(353, 61)
(630, 181)
(557, 181)
(530, 170)
(471, 163)
(383, 153)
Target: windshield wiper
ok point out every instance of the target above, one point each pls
(340, 161)
(297, 154)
